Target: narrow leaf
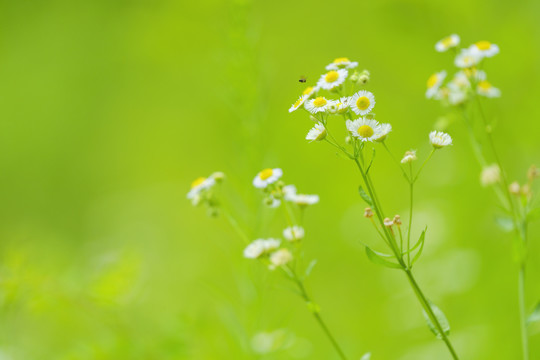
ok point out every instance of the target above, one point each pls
(535, 315)
(441, 318)
(371, 162)
(365, 196)
(310, 267)
(421, 243)
(379, 259)
(505, 223)
(367, 356)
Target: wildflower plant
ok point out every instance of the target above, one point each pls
(342, 108)
(283, 256)
(464, 95)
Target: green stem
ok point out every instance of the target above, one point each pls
(429, 311)
(411, 187)
(522, 312)
(319, 319)
(235, 225)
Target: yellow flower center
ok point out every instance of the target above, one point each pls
(266, 173)
(432, 81)
(197, 182)
(341, 60)
(297, 103)
(308, 90)
(484, 85)
(483, 45)
(362, 103)
(447, 42)
(365, 131)
(331, 76)
(319, 102)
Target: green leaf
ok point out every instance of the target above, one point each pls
(505, 223)
(535, 315)
(379, 259)
(371, 162)
(367, 356)
(310, 267)
(441, 318)
(421, 243)
(365, 196)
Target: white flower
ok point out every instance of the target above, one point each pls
(485, 88)
(289, 194)
(332, 79)
(467, 59)
(280, 257)
(272, 202)
(434, 83)
(319, 104)
(490, 175)
(199, 185)
(310, 90)
(409, 157)
(343, 104)
(294, 233)
(267, 177)
(447, 43)
(439, 139)
(317, 133)
(383, 132)
(364, 129)
(362, 102)
(261, 247)
(298, 103)
(484, 49)
(342, 62)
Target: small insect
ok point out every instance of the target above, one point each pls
(302, 79)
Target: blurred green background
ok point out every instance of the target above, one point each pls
(110, 108)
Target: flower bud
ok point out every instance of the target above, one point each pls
(355, 76)
(387, 222)
(348, 140)
(397, 220)
(533, 173)
(218, 176)
(409, 157)
(490, 175)
(368, 213)
(514, 188)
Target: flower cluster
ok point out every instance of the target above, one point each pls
(201, 191)
(469, 80)
(339, 93)
(268, 180)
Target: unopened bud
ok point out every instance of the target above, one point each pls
(218, 176)
(348, 140)
(313, 118)
(355, 76)
(397, 220)
(368, 213)
(533, 172)
(490, 175)
(526, 191)
(514, 188)
(387, 222)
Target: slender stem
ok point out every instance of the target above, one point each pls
(522, 312)
(319, 319)
(235, 225)
(429, 311)
(411, 187)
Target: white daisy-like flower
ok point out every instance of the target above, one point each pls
(447, 43)
(364, 129)
(317, 133)
(198, 185)
(472, 74)
(298, 103)
(466, 59)
(456, 94)
(409, 157)
(294, 233)
(362, 102)
(384, 131)
(280, 257)
(289, 191)
(289, 194)
(485, 88)
(272, 202)
(310, 90)
(319, 104)
(260, 247)
(343, 104)
(332, 79)
(439, 139)
(342, 62)
(490, 175)
(434, 83)
(267, 177)
(484, 49)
